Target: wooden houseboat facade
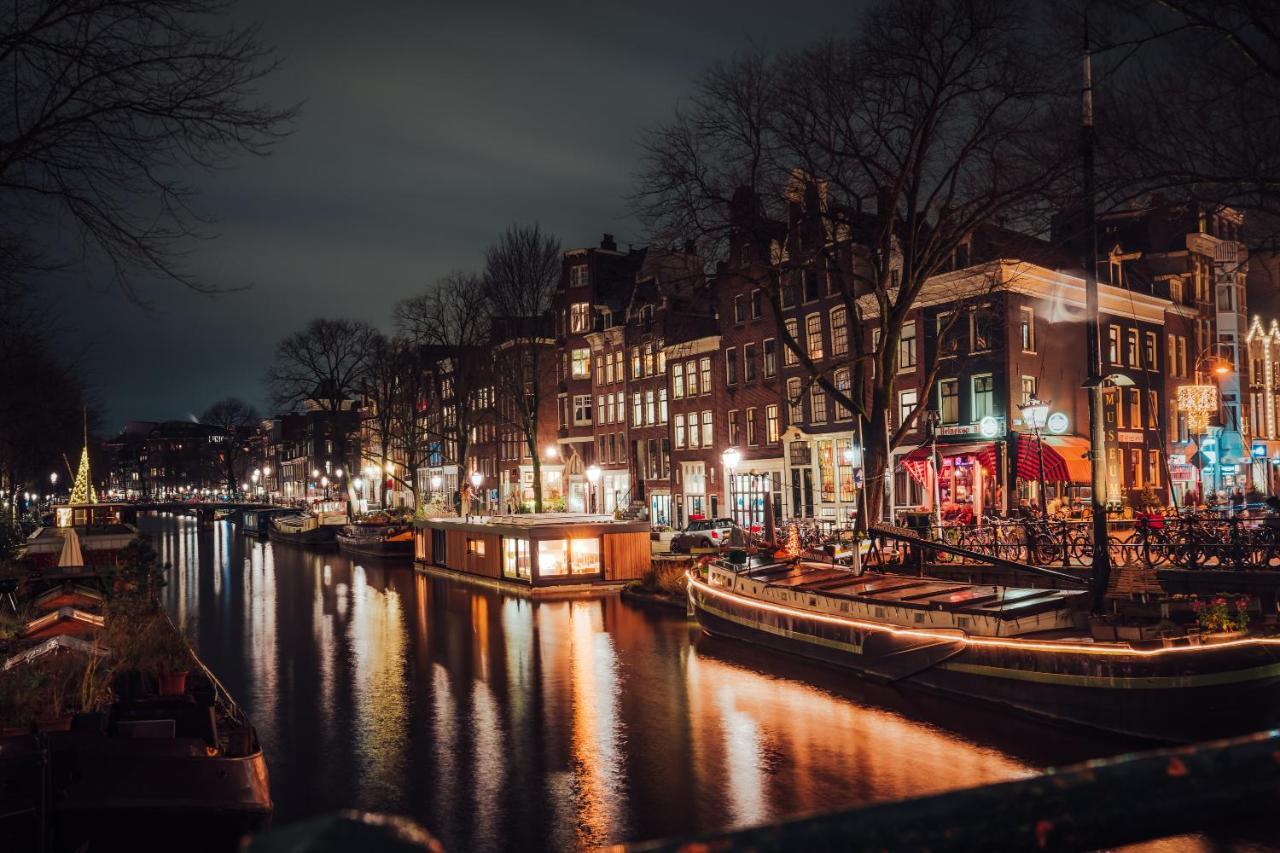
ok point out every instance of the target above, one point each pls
(548, 551)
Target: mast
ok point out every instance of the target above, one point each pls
(1101, 569)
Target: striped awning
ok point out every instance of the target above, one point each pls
(1034, 455)
(916, 463)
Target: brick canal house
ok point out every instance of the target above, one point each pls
(589, 310)
(658, 371)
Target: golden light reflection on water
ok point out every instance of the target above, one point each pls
(378, 642)
(498, 721)
(773, 746)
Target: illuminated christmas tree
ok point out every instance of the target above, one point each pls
(82, 491)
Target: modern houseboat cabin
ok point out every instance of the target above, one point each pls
(99, 527)
(548, 550)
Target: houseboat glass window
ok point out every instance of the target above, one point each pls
(584, 556)
(515, 558)
(552, 558)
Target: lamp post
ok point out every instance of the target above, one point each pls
(1036, 413)
(476, 479)
(593, 477)
(435, 486)
(730, 460)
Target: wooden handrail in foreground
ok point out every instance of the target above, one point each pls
(1098, 804)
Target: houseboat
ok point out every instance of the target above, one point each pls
(1025, 649)
(544, 552)
(317, 527)
(257, 522)
(99, 527)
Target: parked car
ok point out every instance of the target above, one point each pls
(703, 533)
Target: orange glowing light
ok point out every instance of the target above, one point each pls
(990, 642)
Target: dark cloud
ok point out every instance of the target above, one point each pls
(426, 128)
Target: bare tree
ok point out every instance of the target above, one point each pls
(35, 439)
(898, 142)
(324, 365)
(236, 419)
(1189, 103)
(522, 270)
(106, 103)
(450, 325)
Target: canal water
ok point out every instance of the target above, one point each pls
(496, 721)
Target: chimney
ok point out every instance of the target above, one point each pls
(608, 243)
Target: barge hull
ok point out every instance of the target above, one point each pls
(1149, 698)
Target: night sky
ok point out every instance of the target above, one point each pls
(426, 129)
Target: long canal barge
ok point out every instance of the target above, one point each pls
(1025, 649)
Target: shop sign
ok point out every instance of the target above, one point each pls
(1129, 437)
(1180, 473)
(1259, 449)
(988, 427)
(1058, 423)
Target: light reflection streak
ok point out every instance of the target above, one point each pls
(488, 768)
(597, 728)
(377, 638)
(837, 753)
(261, 640)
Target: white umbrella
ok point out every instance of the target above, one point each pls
(71, 556)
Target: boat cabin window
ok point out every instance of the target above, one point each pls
(561, 557)
(515, 558)
(475, 547)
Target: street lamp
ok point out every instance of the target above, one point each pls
(435, 486)
(53, 479)
(729, 460)
(476, 479)
(1036, 414)
(593, 477)
(551, 452)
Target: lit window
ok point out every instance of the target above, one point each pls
(983, 393)
(839, 331)
(752, 436)
(691, 378)
(771, 426)
(705, 366)
(813, 336)
(793, 329)
(949, 401)
(1028, 390)
(907, 347)
(1027, 329)
(580, 316)
(770, 357)
(677, 380)
(734, 437)
(907, 402)
(795, 407)
(679, 431)
(818, 404)
(844, 386)
(581, 368)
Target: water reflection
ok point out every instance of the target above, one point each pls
(497, 721)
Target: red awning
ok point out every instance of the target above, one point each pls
(916, 463)
(1074, 450)
(1034, 456)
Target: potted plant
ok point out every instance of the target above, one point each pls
(167, 656)
(1222, 618)
(62, 675)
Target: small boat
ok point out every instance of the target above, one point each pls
(150, 770)
(318, 529)
(1020, 648)
(376, 540)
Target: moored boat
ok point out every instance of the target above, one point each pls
(317, 529)
(96, 754)
(376, 540)
(1020, 648)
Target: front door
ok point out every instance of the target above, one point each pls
(802, 492)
